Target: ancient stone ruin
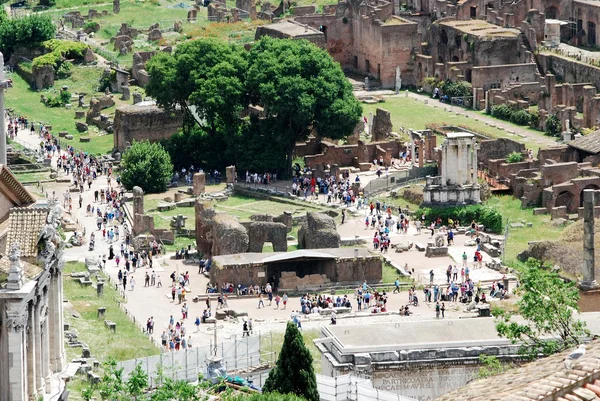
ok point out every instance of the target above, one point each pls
(382, 125)
(318, 232)
(218, 233)
(222, 234)
(458, 182)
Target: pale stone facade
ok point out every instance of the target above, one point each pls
(31, 298)
(458, 181)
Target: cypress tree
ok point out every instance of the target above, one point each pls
(293, 372)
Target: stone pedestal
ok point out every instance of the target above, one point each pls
(436, 251)
(589, 301)
(199, 184)
(230, 174)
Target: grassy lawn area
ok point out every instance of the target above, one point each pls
(181, 242)
(128, 343)
(25, 101)
(411, 114)
(272, 342)
(542, 229)
(163, 219)
(33, 177)
(243, 207)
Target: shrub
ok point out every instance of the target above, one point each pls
(520, 117)
(489, 217)
(553, 126)
(91, 26)
(58, 100)
(514, 157)
(534, 118)
(64, 71)
(147, 165)
(501, 111)
(504, 112)
(457, 89)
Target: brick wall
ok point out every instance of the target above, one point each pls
(144, 122)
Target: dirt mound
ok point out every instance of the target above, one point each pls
(566, 252)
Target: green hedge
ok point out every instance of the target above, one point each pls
(519, 117)
(489, 217)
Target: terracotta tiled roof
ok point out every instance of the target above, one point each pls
(25, 226)
(589, 143)
(543, 380)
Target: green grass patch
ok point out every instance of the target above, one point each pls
(542, 228)
(26, 102)
(272, 342)
(181, 242)
(32, 177)
(128, 343)
(411, 114)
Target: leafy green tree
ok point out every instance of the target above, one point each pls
(300, 87)
(29, 30)
(553, 126)
(548, 304)
(137, 383)
(205, 77)
(147, 165)
(111, 386)
(293, 373)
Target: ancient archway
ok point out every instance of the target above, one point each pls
(589, 186)
(551, 12)
(565, 198)
(444, 37)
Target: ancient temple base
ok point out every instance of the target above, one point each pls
(589, 300)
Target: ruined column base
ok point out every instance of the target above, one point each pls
(589, 300)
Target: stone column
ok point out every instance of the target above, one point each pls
(56, 323)
(31, 374)
(422, 153)
(444, 163)
(47, 371)
(199, 184)
(474, 161)
(460, 165)
(37, 335)
(17, 357)
(412, 150)
(588, 282)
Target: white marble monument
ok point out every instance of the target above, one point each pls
(457, 184)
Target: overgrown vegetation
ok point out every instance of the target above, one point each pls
(548, 304)
(457, 89)
(514, 157)
(515, 116)
(59, 99)
(59, 51)
(25, 31)
(553, 126)
(489, 217)
(490, 366)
